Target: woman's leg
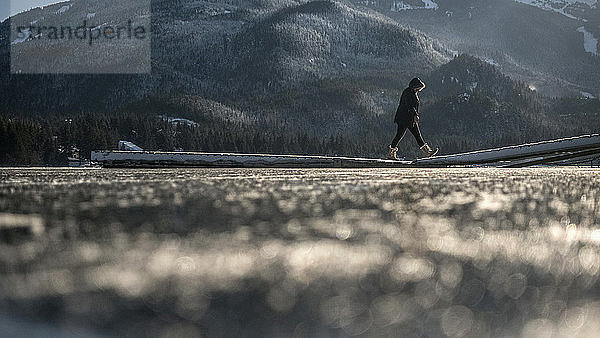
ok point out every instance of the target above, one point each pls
(417, 134)
(399, 135)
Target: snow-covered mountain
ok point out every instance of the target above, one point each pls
(550, 44)
(405, 6)
(580, 10)
(200, 43)
(247, 55)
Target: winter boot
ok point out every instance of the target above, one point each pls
(392, 153)
(427, 151)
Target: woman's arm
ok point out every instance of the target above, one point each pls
(414, 107)
(414, 104)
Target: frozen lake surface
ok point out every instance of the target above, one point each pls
(264, 252)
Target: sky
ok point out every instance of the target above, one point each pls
(12, 7)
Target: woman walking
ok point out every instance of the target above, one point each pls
(407, 117)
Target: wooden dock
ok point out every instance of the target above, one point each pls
(547, 152)
(523, 155)
(131, 159)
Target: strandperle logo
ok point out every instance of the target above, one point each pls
(83, 32)
(83, 37)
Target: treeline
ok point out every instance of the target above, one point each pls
(25, 141)
(467, 105)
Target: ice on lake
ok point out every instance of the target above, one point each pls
(281, 252)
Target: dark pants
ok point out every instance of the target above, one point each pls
(414, 130)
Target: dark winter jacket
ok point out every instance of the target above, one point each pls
(408, 108)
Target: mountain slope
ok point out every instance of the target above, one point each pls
(323, 39)
(539, 42)
(219, 48)
(474, 106)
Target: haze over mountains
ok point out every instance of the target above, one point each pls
(540, 42)
(336, 68)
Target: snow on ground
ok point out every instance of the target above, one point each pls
(591, 3)
(402, 6)
(491, 62)
(128, 146)
(22, 37)
(91, 15)
(430, 4)
(454, 52)
(590, 43)
(99, 26)
(587, 95)
(176, 120)
(556, 3)
(63, 9)
(556, 6)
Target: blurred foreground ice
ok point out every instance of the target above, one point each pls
(458, 253)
